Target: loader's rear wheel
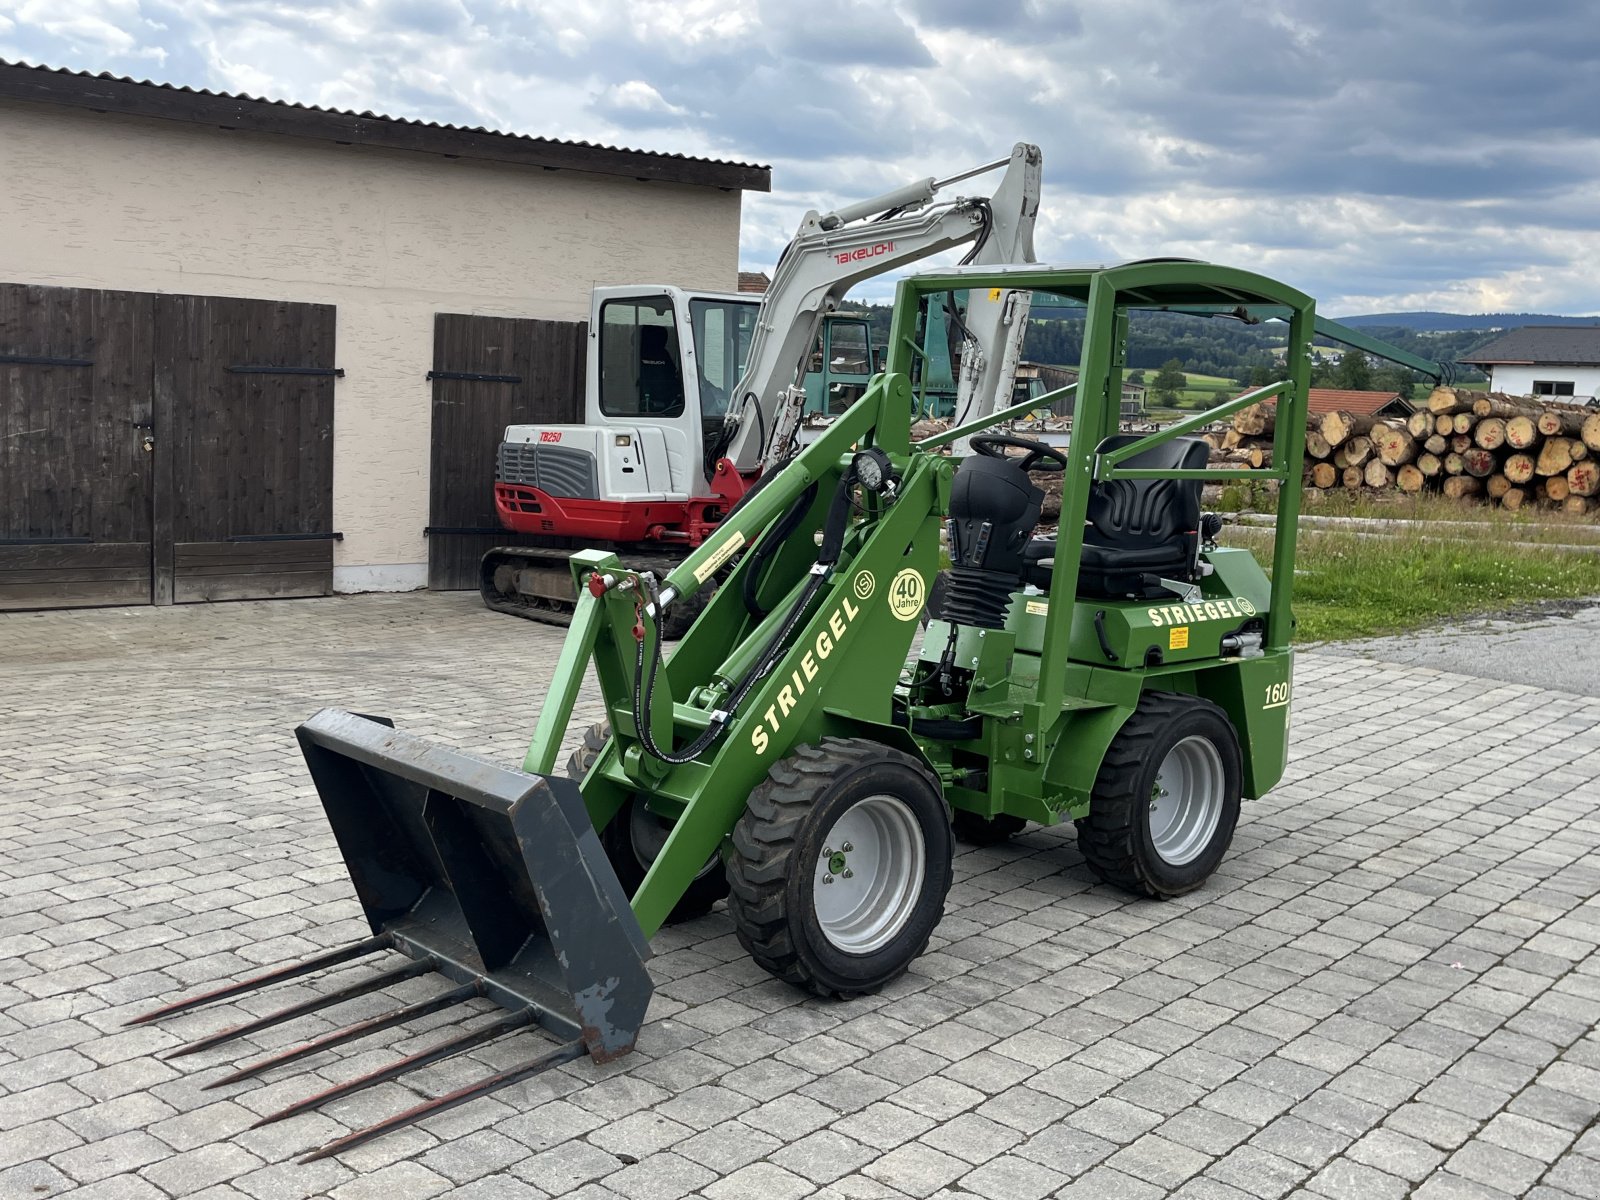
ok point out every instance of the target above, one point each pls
(635, 836)
(840, 866)
(1166, 799)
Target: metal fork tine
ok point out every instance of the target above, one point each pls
(554, 1058)
(331, 958)
(361, 987)
(455, 1045)
(350, 1033)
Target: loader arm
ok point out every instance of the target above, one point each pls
(832, 252)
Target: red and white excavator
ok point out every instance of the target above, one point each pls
(690, 396)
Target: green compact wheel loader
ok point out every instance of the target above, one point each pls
(804, 752)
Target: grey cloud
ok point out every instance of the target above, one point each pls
(1034, 20)
(833, 33)
(1466, 133)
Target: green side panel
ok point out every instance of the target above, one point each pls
(1164, 631)
(1255, 693)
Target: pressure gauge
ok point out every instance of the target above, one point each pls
(873, 470)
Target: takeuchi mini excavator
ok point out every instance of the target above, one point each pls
(802, 753)
(690, 397)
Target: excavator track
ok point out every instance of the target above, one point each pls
(535, 582)
(528, 581)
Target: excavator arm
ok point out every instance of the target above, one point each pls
(832, 252)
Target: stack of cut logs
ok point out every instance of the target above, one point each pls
(1509, 450)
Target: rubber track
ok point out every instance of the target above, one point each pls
(680, 616)
(764, 844)
(1106, 835)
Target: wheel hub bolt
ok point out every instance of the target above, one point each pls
(827, 878)
(848, 873)
(847, 847)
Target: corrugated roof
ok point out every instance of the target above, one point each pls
(1569, 345)
(164, 101)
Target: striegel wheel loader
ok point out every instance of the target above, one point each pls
(800, 753)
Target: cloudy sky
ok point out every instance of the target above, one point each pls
(1380, 154)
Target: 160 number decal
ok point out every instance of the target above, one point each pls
(1277, 695)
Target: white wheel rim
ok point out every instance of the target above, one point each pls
(1186, 801)
(869, 874)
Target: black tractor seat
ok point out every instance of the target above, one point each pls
(1138, 531)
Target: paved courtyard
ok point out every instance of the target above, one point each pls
(1391, 988)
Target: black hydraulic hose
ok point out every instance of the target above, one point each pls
(987, 210)
(769, 544)
(644, 684)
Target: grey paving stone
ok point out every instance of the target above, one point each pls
(1107, 1183)
(1344, 1179)
(397, 1179)
(1495, 1166)
(916, 1169)
(764, 1180)
(665, 1176)
(1256, 1171)
(120, 1155)
(728, 1147)
(823, 1156)
(1156, 1160)
(1008, 1177)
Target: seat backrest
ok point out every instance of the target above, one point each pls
(660, 383)
(1137, 513)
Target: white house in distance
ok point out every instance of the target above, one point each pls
(1559, 361)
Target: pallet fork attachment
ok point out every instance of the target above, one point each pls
(493, 878)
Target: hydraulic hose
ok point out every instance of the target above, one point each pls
(778, 533)
(833, 534)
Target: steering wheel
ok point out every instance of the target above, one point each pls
(1039, 456)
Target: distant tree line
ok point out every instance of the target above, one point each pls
(1174, 343)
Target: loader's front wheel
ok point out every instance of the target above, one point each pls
(1166, 798)
(635, 836)
(840, 866)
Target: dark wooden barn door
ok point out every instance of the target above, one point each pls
(489, 372)
(163, 448)
(244, 413)
(75, 476)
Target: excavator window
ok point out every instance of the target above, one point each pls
(722, 331)
(641, 365)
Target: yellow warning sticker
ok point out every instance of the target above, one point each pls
(1178, 637)
(994, 295)
(719, 556)
(1038, 608)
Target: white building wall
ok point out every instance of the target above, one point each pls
(389, 237)
(1518, 381)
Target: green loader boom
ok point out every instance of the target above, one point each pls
(893, 656)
